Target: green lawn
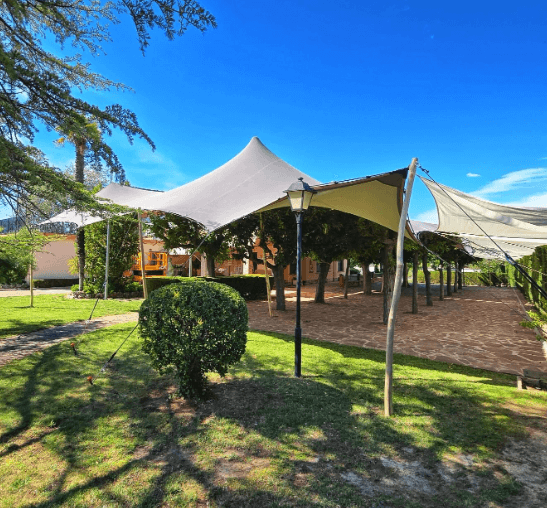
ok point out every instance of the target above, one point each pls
(263, 439)
(16, 317)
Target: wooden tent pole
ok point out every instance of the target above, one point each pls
(31, 284)
(266, 276)
(388, 388)
(141, 244)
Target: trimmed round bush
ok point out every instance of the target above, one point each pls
(192, 328)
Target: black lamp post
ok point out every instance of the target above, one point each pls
(300, 194)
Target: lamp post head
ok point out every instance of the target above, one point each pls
(300, 194)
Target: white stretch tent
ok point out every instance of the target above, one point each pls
(118, 194)
(256, 180)
(518, 231)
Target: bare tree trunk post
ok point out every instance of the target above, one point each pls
(190, 265)
(455, 277)
(386, 284)
(268, 289)
(460, 276)
(415, 262)
(388, 390)
(441, 283)
(143, 262)
(448, 280)
(31, 284)
(427, 275)
(266, 276)
(346, 280)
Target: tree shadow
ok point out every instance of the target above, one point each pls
(304, 435)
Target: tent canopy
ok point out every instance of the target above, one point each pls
(256, 180)
(518, 231)
(118, 194)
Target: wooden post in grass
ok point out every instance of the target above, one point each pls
(388, 388)
(141, 244)
(31, 284)
(266, 276)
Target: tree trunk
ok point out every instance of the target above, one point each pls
(448, 280)
(80, 239)
(211, 266)
(320, 291)
(441, 283)
(279, 282)
(346, 280)
(207, 266)
(455, 277)
(405, 275)
(367, 280)
(427, 274)
(415, 262)
(460, 276)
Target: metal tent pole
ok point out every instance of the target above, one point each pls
(107, 259)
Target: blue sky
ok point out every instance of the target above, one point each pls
(342, 90)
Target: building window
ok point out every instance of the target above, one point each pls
(340, 266)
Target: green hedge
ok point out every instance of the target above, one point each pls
(250, 287)
(470, 278)
(54, 283)
(536, 266)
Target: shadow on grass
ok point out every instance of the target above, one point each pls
(301, 435)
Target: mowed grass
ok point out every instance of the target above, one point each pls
(17, 317)
(262, 439)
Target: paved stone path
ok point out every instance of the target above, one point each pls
(477, 327)
(19, 346)
(26, 292)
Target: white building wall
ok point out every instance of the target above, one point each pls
(52, 262)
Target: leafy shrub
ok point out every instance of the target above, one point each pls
(133, 287)
(12, 271)
(123, 246)
(191, 328)
(156, 282)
